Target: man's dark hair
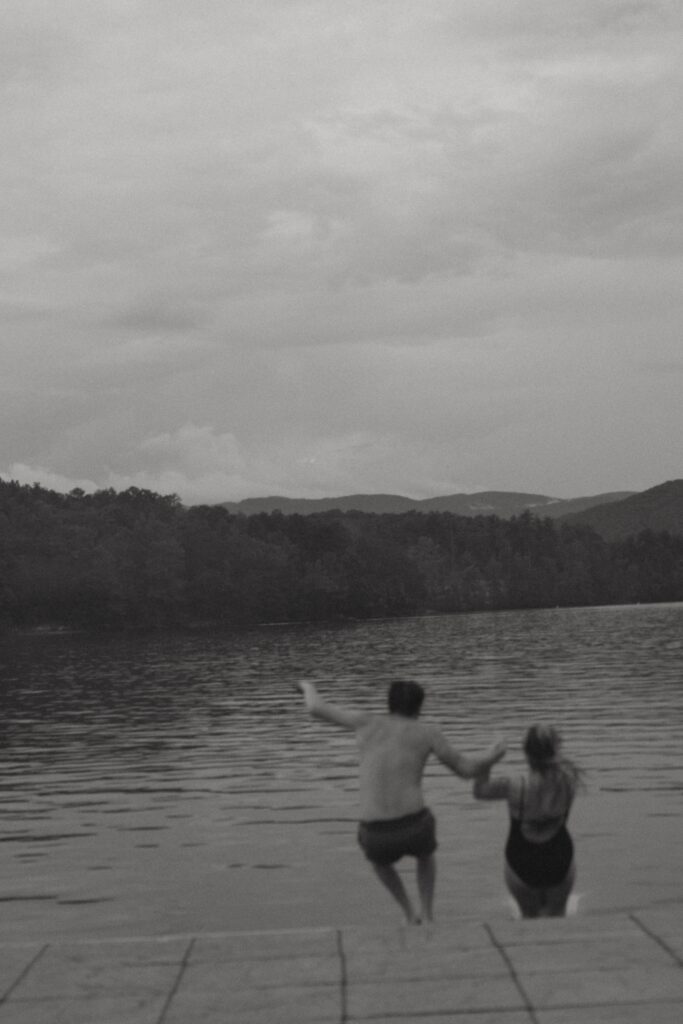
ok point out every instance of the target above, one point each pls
(405, 698)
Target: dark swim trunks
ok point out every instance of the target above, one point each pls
(384, 842)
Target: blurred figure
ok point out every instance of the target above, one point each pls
(393, 749)
(539, 854)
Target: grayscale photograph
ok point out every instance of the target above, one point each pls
(341, 512)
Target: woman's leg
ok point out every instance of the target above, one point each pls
(530, 900)
(556, 897)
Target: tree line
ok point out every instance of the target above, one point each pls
(136, 559)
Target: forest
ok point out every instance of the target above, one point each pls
(139, 560)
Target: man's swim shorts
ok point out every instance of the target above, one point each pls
(384, 842)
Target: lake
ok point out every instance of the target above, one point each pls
(173, 784)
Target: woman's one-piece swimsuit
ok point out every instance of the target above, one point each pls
(539, 865)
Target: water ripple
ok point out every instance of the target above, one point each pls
(204, 737)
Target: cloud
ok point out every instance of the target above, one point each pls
(29, 475)
(313, 247)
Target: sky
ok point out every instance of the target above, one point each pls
(321, 247)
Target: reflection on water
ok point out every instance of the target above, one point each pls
(170, 784)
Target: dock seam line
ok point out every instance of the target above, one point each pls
(176, 983)
(17, 981)
(656, 938)
(343, 979)
(528, 1005)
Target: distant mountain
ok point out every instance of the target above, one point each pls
(305, 506)
(503, 504)
(569, 506)
(659, 508)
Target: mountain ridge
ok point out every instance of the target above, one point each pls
(658, 509)
(503, 504)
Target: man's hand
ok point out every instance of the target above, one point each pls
(498, 751)
(312, 698)
(320, 708)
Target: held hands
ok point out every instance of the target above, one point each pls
(498, 751)
(495, 753)
(307, 690)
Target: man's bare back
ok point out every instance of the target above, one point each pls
(393, 751)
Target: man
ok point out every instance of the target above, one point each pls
(393, 751)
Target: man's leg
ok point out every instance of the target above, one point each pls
(426, 878)
(390, 878)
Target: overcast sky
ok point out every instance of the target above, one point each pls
(316, 247)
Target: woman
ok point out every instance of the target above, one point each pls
(539, 854)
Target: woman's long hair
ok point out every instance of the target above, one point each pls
(558, 774)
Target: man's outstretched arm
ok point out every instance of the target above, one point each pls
(319, 708)
(467, 766)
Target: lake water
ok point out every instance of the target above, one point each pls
(172, 784)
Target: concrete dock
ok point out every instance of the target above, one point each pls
(623, 968)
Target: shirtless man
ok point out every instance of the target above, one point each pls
(393, 750)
